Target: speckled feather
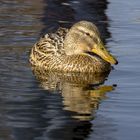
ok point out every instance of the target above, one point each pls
(49, 53)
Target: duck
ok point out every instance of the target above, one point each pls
(78, 49)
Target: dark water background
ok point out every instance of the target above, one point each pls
(50, 109)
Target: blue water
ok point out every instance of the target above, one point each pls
(52, 106)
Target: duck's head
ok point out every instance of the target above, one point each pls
(84, 38)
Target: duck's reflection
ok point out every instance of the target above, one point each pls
(83, 102)
(81, 93)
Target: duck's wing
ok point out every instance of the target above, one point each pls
(49, 45)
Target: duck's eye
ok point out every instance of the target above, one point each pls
(87, 34)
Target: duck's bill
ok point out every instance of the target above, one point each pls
(104, 54)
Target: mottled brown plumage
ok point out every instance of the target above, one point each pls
(72, 50)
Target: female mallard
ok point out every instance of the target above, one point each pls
(78, 49)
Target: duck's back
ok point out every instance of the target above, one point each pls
(51, 44)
